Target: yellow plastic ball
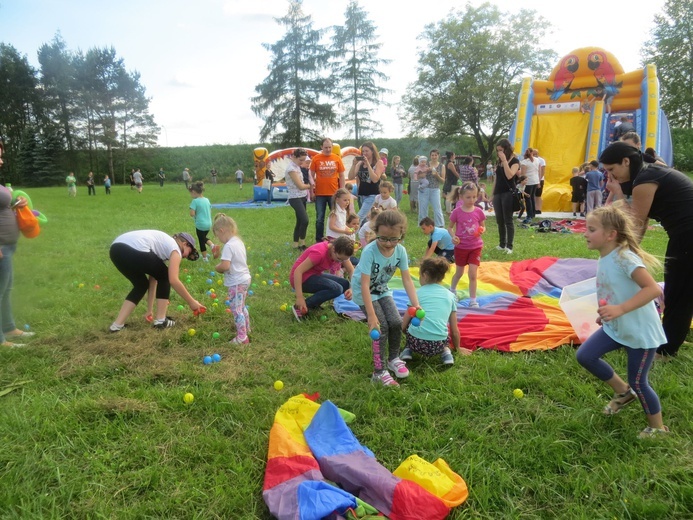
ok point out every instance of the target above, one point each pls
(283, 307)
(188, 398)
(191, 332)
(264, 282)
(519, 394)
(278, 385)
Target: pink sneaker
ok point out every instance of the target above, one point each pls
(399, 367)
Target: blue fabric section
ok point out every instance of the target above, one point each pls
(249, 204)
(329, 435)
(316, 500)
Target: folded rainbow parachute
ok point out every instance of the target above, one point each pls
(316, 468)
(519, 303)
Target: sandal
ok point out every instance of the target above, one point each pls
(652, 432)
(618, 401)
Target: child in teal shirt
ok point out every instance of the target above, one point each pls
(201, 211)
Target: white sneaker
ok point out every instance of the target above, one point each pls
(500, 248)
(474, 304)
(508, 251)
(384, 378)
(446, 357)
(399, 367)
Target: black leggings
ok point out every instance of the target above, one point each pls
(135, 266)
(503, 206)
(530, 203)
(301, 226)
(202, 239)
(678, 288)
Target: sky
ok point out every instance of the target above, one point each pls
(200, 60)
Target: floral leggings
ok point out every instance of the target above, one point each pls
(237, 295)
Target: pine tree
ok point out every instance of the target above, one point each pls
(292, 95)
(355, 65)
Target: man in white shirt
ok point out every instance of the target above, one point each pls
(540, 189)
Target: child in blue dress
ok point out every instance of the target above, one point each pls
(626, 292)
(431, 336)
(379, 261)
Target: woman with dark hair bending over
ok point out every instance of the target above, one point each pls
(506, 173)
(665, 195)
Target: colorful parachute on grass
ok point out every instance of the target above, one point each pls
(519, 303)
(311, 447)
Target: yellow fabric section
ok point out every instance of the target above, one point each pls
(561, 139)
(283, 443)
(437, 478)
(295, 415)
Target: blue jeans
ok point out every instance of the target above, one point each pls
(6, 278)
(431, 197)
(321, 203)
(366, 205)
(323, 287)
(399, 188)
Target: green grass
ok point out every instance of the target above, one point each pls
(99, 428)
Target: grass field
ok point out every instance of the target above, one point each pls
(96, 426)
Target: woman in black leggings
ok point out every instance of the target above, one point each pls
(298, 195)
(141, 257)
(506, 173)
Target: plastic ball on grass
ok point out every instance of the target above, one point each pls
(254, 286)
(519, 394)
(191, 332)
(283, 307)
(216, 335)
(264, 282)
(26, 326)
(209, 281)
(220, 281)
(250, 293)
(212, 274)
(260, 269)
(271, 282)
(216, 358)
(278, 385)
(323, 318)
(207, 360)
(188, 398)
(228, 311)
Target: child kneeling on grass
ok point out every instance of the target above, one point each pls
(626, 292)
(439, 326)
(234, 266)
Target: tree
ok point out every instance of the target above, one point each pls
(18, 106)
(470, 72)
(57, 77)
(355, 66)
(671, 49)
(292, 93)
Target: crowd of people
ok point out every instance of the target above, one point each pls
(639, 187)
(136, 179)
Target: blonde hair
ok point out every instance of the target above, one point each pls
(457, 191)
(224, 222)
(615, 218)
(337, 194)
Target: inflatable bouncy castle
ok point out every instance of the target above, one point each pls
(278, 161)
(570, 118)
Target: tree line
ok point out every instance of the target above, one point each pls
(81, 107)
(75, 101)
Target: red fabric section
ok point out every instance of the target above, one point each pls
(412, 502)
(281, 469)
(503, 327)
(526, 273)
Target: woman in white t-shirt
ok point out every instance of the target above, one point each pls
(298, 196)
(141, 257)
(529, 167)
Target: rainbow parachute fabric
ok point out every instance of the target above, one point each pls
(316, 468)
(519, 303)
